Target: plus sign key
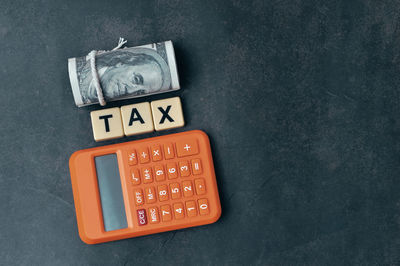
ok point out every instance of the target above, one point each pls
(187, 147)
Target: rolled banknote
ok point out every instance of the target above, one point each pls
(125, 73)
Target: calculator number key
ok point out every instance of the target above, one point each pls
(171, 171)
(203, 207)
(166, 214)
(184, 168)
(162, 192)
(138, 194)
(159, 173)
(191, 208)
(187, 188)
(142, 219)
(200, 185)
(175, 191)
(179, 212)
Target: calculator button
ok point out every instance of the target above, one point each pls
(135, 177)
(187, 188)
(156, 153)
(153, 214)
(166, 214)
(196, 167)
(159, 173)
(184, 168)
(162, 192)
(138, 194)
(179, 212)
(142, 219)
(187, 147)
(203, 207)
(171, 170)
(191, 208)
(200, 186)
(169, 151)
(132, 158)
(175, 191)
(150, 193)
(147, 175)
(143, 154)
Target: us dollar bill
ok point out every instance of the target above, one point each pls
(125, 73)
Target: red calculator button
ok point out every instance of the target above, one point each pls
(132, 158)
(166, 214)
(187, 188)
(196, 167)
(159, 173)
(154, 217)
(156, 153)
(187, 147)
(169, 151)
(135, 177)
(150, 193)
(179, 212)
(162, 192)
(175, 191)
(203, 207)
(147, 175)
(191, 208)
(143, 154)
(142, 219)
(200, 186)
(171, 170)
(138, 194)
(184, 168)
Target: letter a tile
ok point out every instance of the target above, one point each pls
(137, 118)
(106, 124)
(167, 113)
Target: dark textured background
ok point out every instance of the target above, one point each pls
(300, 100)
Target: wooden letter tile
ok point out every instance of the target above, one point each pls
(107, 124)
(137, 118)
(167, 113)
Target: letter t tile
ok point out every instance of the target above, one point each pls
(107, 124)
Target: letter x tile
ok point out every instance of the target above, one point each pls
(167, 113)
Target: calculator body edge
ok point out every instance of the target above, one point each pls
(87, 197)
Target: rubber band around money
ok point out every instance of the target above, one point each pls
(95, 74)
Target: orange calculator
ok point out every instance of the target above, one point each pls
(144, 187)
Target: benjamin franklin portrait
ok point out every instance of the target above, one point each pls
(125, 72)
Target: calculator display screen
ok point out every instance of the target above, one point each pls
(110, 189)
